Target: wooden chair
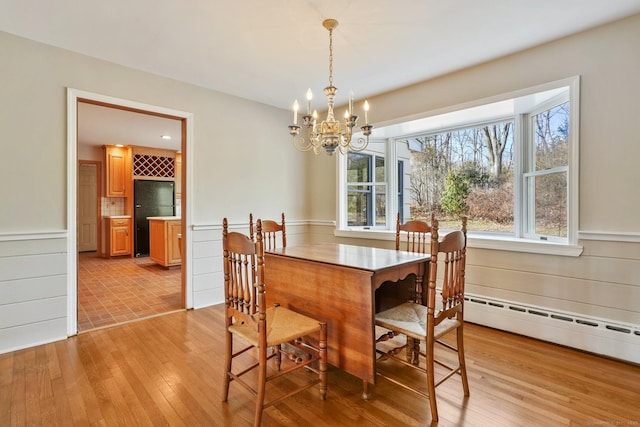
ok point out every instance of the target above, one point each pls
(259, 327)
(270, 230)
(413, 236)
(428, 324)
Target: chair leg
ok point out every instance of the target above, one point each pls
(409, 349)
(322, 345)
(227, 365)
(463, 367)
(262, 380)
(278, 350)
(416, 352)
(431, 384)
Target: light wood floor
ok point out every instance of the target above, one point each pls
(168, 371)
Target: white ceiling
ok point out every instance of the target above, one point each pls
(99, 126)
(271, 51)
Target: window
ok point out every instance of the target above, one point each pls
(546, 171)
(366, 190)
(510, 165)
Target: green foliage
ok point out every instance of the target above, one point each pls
(456, 191)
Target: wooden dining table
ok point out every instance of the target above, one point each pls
(337, 283)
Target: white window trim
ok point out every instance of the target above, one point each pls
(481, 240)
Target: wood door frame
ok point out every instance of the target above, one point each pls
(73, 97)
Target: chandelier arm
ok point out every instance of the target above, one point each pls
(359, 145)
(302, 144)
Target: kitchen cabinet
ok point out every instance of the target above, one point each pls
(164, 240)
(118, 236)
(117, 171)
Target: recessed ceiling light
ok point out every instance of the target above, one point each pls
(165, 136)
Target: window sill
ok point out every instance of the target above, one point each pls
(479, 241)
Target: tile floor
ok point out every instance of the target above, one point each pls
(121, 289)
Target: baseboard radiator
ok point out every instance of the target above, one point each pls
(599, 336)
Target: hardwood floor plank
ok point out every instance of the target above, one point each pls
(167, 371)
(6, 381)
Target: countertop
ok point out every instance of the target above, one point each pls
(164, 218)
(117, 216)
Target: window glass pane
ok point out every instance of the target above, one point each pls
(551, 204)
(551, 137)
(466, 171)
(381, 205)
(379, 169)
(358, 167)
(358, 205)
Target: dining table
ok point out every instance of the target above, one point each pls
(337, 283)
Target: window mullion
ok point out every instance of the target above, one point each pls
(391, 180)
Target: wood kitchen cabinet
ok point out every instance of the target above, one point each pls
(117, 171)
(164, 240)
(118, 237)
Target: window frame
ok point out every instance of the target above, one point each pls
(519, 242)
(372, 183)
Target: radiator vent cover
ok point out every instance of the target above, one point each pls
(563, 317)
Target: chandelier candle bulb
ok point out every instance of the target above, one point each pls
(295, 112)
(309, 97)
(351, 101)
(366, 112)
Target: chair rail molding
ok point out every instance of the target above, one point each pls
(611, 236)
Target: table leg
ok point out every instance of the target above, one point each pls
(365, 390)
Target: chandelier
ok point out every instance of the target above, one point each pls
(330, 134)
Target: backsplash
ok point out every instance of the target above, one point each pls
(113, 206)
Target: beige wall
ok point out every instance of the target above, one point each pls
(231, 136)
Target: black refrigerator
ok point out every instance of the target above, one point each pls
(151, 198)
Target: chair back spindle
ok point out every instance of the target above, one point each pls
(242, 258)
(412, 236)
(270, 232)
(452, 252)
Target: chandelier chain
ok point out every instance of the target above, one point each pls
(330, 57)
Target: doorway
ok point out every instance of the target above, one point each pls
(89, 264)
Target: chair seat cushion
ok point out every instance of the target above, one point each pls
(411, 319)
(283, 325)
